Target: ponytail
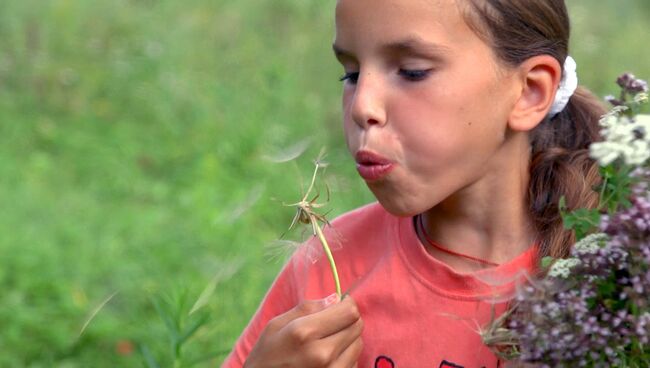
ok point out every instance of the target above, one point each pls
(561, 166)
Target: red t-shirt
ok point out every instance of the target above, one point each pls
(417, 311)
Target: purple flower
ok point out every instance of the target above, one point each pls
(630, 84)
(603, 309)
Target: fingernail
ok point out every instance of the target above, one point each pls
(330, 300)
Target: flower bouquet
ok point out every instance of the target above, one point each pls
(593, 308)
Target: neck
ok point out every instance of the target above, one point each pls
(488, 219)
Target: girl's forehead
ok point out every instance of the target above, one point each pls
(360, 23)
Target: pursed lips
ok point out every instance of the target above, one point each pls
(372, 166)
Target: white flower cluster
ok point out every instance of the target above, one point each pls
(589, 244)
(562, 267)
(624, 138)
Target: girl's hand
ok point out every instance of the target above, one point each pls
(318, 333)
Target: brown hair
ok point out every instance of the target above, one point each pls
(518, 30)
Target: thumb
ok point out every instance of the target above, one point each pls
(306, 307)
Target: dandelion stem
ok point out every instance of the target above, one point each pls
(311, 185)
(307, 215)
(328, 252)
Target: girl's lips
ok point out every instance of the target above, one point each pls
(374, 172)
(371, 166)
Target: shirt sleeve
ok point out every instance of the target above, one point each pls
(281, 297)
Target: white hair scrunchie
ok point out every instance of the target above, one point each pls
(567, 87)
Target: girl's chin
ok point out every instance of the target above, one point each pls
(399, 208)
(397, 204)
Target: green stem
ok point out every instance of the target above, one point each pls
(328, 252)
(177, 355)
(311, 185)
(602, 193)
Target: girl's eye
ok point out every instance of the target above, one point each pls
(410, 75)
(351, 77)
(414, 75)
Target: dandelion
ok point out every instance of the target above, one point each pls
(306, 214)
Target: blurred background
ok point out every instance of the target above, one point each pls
(142, 164)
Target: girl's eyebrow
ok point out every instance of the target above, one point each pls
(407, 46)
(339, 52)
(414, 46)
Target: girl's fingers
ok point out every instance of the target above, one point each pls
(349, 357)
(340, 341)
(340, 350)
(305, 308)
(314, 334)
(331, 320)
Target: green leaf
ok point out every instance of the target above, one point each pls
(95, 311)
(547, 261)
(583, 221)
(167, 318)
(193, 327)
(562, 204)
(203, 358)
(149, 360)
(569, 222)
(606, 289)
(224, 273)
(616, 188)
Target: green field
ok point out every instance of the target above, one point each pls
(135, 146)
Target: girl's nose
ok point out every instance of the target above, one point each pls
(367, 103)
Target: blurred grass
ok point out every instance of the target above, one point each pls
(132, 143)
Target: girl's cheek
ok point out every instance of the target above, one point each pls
(347, 123)
(350, 143)
(346, 105)
(346, 98)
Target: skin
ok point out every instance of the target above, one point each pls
(454, 121)
(320, 333)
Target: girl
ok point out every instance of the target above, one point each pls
(463, 119)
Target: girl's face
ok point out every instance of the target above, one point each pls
(425, 101)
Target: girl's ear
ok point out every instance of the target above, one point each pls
(540, 77)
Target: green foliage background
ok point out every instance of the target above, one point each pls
(133, 137)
